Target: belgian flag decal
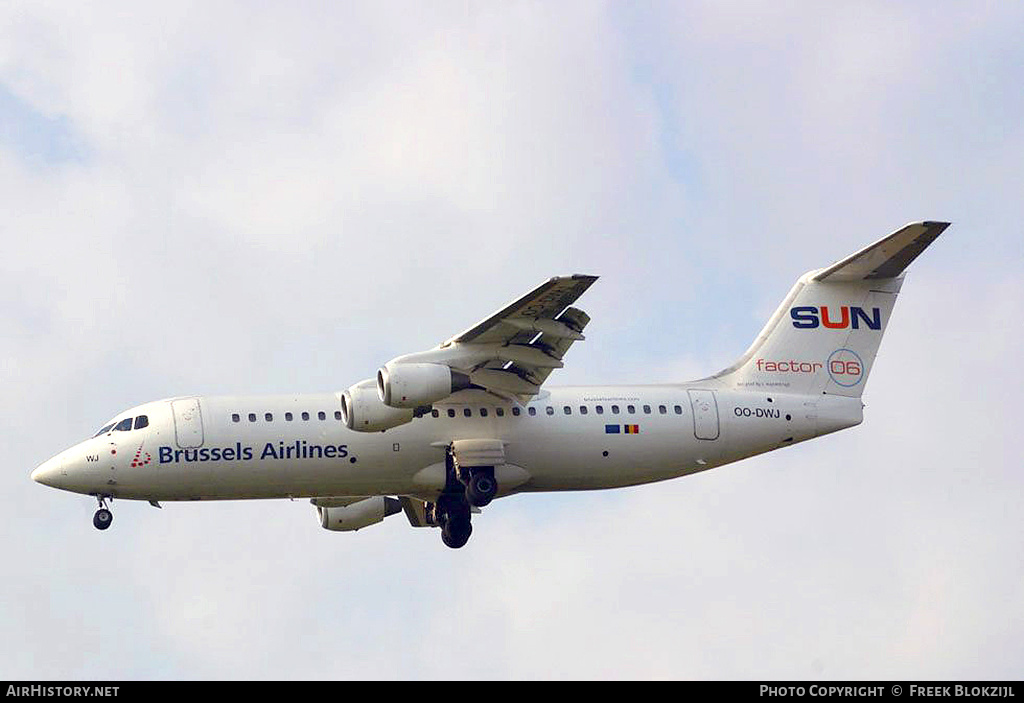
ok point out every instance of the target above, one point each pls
(624, 429)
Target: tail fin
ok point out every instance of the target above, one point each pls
(825, 335)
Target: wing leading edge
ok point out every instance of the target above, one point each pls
(513, 351)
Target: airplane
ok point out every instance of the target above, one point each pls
(439, 434)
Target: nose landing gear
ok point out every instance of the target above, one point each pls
(103, 517)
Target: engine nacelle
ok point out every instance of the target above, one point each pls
(411, 385)
(358, 515)
(361, 410)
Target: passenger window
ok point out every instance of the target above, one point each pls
(630, 409)
(615, 409)
(322, 415)
(679, 410)
(451, 412)
(662, 409)
(583, 410)
(269, 417)
(647, 410)
(599, 409)
(124, 425)
(532, 410)
(500, 412)
(288, 417)
(516, 411)
(305, 415)
(467, 412)
(252, 417)
(235, 417)
(483, 412)
(568, 410)
(337, 415)
(550, 410)
(141, 421)
(435, 413)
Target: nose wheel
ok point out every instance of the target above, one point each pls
(103, 517)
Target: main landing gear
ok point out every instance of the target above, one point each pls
(464, 490)
(103, 517)
(481, 486)
(452, 514)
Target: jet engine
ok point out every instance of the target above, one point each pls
(354, 516)
(411, 385)
(361, 410)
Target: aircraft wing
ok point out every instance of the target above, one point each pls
(520, 321)
(512, 352)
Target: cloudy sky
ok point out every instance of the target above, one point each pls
(225, 197)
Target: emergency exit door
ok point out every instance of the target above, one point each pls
(705, 414)
(188, 423)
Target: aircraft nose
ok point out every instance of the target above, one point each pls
(48, 473)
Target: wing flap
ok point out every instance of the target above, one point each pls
(504, 382)
(513, 351)
(525, 317)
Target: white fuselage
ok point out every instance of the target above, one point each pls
(575, 438)
(440, 433)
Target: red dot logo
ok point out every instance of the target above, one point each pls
(138, 460)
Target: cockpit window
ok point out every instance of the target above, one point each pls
(125, 425)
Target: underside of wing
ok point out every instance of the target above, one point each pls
(511, 354)
(526, 340)
(520, 321)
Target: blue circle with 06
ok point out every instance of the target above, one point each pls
(844, 371)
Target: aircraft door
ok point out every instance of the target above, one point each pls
(705, 414)
(188, 423)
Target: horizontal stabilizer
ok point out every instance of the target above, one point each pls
(886, 258)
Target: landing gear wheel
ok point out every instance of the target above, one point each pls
(102, 519)
(454, 516)
(456, 533)
(481, 488)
